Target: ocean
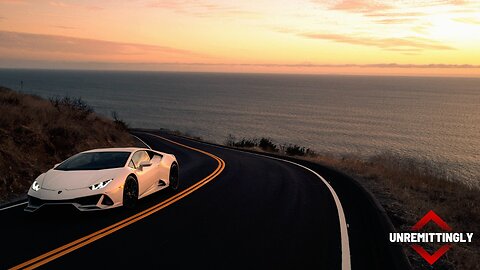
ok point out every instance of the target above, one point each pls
(430, 119)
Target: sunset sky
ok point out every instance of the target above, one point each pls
(406, 37)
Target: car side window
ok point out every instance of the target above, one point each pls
(131, 165)
(138, 157)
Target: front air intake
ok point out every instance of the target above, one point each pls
(106, 200)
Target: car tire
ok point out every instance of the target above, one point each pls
(130, 192)
(173, 177)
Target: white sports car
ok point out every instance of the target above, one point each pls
(104, 178)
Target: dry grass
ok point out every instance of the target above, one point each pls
(408, 189)
(36, 133)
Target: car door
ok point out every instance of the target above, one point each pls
(146, 174)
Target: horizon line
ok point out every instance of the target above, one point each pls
(248, 72)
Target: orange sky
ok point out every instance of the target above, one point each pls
(405, 37)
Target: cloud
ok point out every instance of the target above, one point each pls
(400, 44)
(397, 44)
(379, 12)
(394, 21)
(391, 14)
(201, 8)
(390, 9)
(81, 46)
(311, 65)
(64, 27)
(363, 6)
(59, 4)
(376, 6)
(448, 2)
(468, 20)
(94, 8)
(12, 2)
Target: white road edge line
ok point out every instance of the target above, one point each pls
(141, 141)
(12, 206)
(346, 263)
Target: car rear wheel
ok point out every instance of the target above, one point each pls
(173, 176)
(130, 192)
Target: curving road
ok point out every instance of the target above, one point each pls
(233, 210)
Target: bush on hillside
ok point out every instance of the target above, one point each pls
(267, 145)
(36, 133)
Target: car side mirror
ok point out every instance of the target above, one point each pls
(156, 159)
(144, 164)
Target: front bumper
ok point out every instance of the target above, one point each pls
(88, 203)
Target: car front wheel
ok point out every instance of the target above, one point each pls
(130, 192)
(173, 176)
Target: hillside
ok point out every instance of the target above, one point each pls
(36, 133)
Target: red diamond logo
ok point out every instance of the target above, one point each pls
(431, 216)
(431, 258)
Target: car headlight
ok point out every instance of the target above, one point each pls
(101, 184)
(35, 186)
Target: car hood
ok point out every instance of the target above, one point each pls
(66, 180)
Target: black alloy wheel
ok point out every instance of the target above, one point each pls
(130, 192)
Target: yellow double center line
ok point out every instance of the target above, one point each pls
(65, 249)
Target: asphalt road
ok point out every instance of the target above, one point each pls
(254, 212)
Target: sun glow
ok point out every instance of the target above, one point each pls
(304, 36)
(445, 28)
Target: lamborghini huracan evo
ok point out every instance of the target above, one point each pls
(104, 178)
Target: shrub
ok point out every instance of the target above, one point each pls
(267, 145)
(230, 140)
(9, 100)
(119, 123)
(296, 150)
(76, 106)
(247, 143)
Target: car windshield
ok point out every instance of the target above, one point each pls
(94, 161)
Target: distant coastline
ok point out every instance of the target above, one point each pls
(122, 69)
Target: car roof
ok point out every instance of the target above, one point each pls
(116, 149)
